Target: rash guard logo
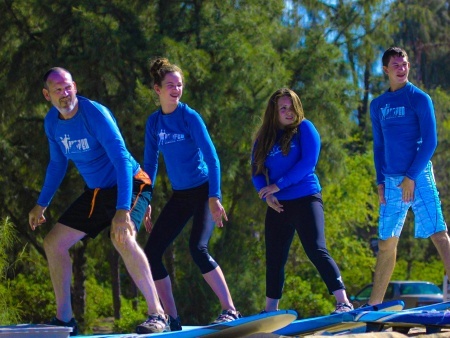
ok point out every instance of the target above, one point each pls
(74, 146)
(277, 149)
(166, 138)
(392, 113)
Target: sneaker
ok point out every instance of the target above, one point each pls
(342, 307)
(155, 323)
(71, 323)
(227, 316)
(175, 323)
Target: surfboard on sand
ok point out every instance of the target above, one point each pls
(34, 330)
(334, 322)
(431, 317)
(351, 325)
(242, 327)
(260, 323)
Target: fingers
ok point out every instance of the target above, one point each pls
(278, 208)
(123, 232)
(33, 223)
(264, 192)
(148, 219)
(407, 196)
(273, 202)
(224, 215)
(148, 224)
(381, 198)
(36, 221)
(121, 235)
(218, 220)
(268, 190)
(217, 217)
(116, 235)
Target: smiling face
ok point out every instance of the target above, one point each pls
(170, 91)
(397, 70)
(61, 91)
(286, 114)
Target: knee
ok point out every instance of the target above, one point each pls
(388, 245)
(440, 238)
(129, 245)
(154, 256)
(48, 245)
(198, 252)
(317, 254)
(153, 253)
(202, 258)
(52, 245)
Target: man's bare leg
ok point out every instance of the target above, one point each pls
(441, 241)
(139, 270)
(387, 254)
(56, 245)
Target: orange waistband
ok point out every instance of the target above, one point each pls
(141, 175)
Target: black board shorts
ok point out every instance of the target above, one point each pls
(94, 209)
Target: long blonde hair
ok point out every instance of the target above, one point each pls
(266, 135)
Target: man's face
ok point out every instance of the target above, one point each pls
(397, 71)
(61, 92)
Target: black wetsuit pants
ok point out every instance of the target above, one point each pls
(304, 215)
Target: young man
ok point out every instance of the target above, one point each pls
(405, 138)
(117, 194)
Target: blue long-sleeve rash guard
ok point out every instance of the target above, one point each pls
(92, 140)
(189, 154)
(404, 132)
(294, 173)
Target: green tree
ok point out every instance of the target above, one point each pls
(423, 32)
(10, 311)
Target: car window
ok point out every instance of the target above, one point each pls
(419, 288)
(364, 294)
(389, 292)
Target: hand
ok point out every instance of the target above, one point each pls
(36, 216)
(269, 190)
(381, 198)
(148, 219)
(121, 226)
(217, 211)
(273, 202)
(407, 187)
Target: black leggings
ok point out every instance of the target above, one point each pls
(304, 215)
(182, 205)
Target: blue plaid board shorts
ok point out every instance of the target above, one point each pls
(428, 218)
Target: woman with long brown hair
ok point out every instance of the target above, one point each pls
(284, 157)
